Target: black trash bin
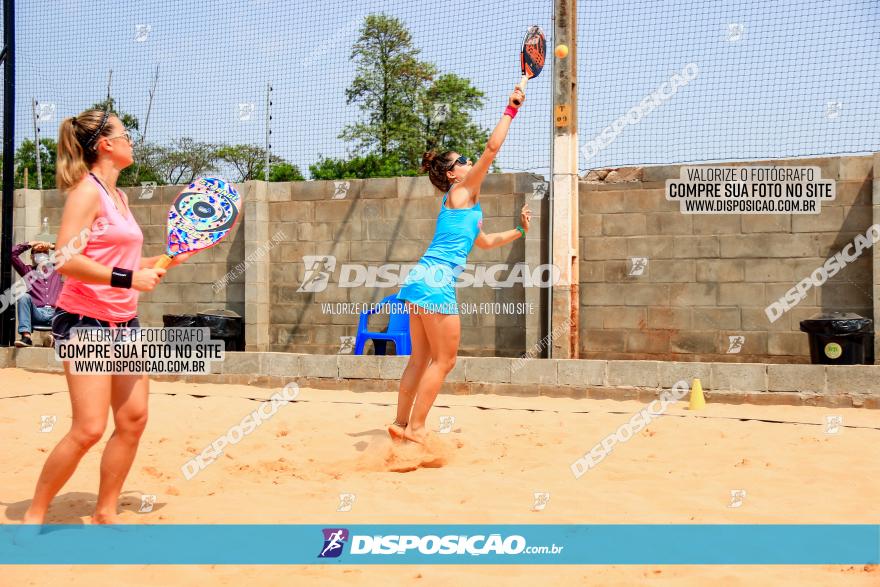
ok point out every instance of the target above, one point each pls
(840, 338)
(179, 320)
(225, 325)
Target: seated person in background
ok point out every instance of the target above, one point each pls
(38, 304)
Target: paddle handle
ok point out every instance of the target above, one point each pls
(163, 262)
(522, 86)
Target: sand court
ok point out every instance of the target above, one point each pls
(326, 458)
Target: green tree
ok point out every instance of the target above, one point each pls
(249, 162)
(446, 122)
(26, 158)
(284, 171)
(387, 86)
(129, 121)
(370, 165)
(146, 156)
(185, 160)
(406, 110)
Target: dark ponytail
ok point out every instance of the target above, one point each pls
(436, 166)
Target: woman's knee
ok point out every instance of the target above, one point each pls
(446, 363)
(87, 434)
(418, 361)
(131, 423)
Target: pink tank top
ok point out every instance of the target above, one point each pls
(116, 240)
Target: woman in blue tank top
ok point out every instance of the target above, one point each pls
(429, 289)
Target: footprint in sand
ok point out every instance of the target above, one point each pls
(152, 472)
(402, 468)
(404, 457)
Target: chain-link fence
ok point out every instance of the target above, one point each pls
(362, 89)
(338, 89)
(673, 81)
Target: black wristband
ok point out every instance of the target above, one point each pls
(121, 277)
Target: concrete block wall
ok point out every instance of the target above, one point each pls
(258, 270)
(391, 221)
(710, 277)
(852, 386)
(186, 289)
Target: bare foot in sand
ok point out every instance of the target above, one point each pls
(416, 435)
(397, 432)
(105, 518)
(31, 518)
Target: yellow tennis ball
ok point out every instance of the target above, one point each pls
(562, 51)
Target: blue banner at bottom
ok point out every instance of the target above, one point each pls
(544, 544)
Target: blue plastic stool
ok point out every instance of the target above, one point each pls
(398, 329)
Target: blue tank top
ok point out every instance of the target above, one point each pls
(454, 236)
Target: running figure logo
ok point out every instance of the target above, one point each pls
(833, 424)
(47, 423)
(637, 266)
(542, 498)
(147, 503)
(446, 424)
(319, 268)
(245, 110)
(340, 189)
(334, 540)
(539, 189)
(736, 344)
(346, 345)
(45, 111)
(142, 32)
(736, 498)
(147, 189)
(734, 32)
(346, 502)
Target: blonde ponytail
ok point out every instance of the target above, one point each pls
(76, 139)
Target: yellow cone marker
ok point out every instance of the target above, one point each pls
(698, 402)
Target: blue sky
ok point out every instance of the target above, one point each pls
(800, 78)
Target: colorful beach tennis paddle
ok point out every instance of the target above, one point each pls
(200, 217)
(531, 58)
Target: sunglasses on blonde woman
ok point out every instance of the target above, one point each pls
(126, 135)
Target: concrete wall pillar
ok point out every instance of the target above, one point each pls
(27, 216)
(564, 232)
(256, 289)
(875, 201)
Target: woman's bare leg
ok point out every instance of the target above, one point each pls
(443, 332)
(129, 400)
(415, 368)
(90, 403)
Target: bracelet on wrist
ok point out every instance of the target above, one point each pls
(121, 277)
(511, 111)
(521, 230)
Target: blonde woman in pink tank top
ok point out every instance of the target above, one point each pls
(101, 289)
